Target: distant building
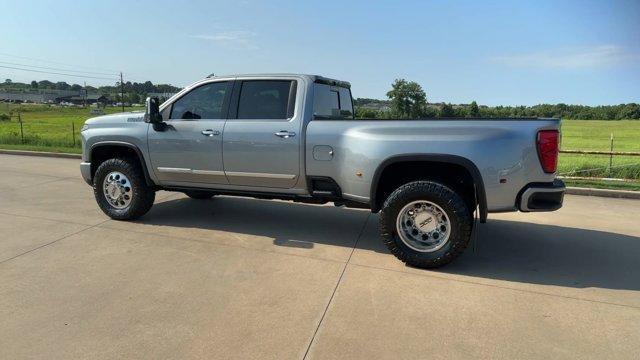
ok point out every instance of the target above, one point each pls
(50, 96)
(377, 106)
(81, 99)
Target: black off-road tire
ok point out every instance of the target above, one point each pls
(199, 194)
(461, 223)
(143, 195)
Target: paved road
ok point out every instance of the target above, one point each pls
(244, 278)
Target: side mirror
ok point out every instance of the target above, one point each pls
(152, 112)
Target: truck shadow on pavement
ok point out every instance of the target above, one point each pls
(551, 255)
(503, 250)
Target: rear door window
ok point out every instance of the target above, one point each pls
(266, 99)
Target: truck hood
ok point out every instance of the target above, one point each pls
(127, 117)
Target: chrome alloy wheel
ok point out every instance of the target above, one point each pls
(423, 226)
(117, 190)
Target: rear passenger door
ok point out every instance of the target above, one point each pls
(261, 140)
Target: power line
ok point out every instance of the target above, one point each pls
(59, 69)
(57, 73)
(67, 71)
(56, 62)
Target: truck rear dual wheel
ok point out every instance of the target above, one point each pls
(425, 224)
(120, 189)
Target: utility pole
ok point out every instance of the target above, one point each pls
(121, 91)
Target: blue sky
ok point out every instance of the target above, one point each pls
(511, 52)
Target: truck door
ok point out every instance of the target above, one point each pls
(189, 147)
(261, 143)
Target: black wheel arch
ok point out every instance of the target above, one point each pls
(467, 164)
(103, 145)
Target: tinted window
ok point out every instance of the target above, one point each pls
(332, 102)
(264, 99)
(204, 102)
(346, 107)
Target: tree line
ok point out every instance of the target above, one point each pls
(134, 92)
(407, 100)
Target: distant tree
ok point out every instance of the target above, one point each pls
(629, 111)
(34, 84)
(366, 113)
(134, 98)
(61, 85)
(430, 112)
(474, 111)
(46, 84)
(460, 111)
(407, 98)
(446, 110)
(7, 81)
(76, 87)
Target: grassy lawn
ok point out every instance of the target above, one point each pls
(46, 127)
(49, 128)
(47, 148)
(596, 135)
(616, 185)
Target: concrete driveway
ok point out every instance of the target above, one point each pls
(253, 279)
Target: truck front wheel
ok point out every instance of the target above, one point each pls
(425, 224)
(120, 189)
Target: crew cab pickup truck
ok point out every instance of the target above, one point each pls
(288, 136)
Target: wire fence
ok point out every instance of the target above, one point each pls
(626, 172)
(599, 164)
(16, 131)
(65, 134)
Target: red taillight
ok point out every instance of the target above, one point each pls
(548, 146)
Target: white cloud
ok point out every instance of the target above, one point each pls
(604, 55)
(235, 39)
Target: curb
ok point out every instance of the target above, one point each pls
(40, 153)
(621, 194)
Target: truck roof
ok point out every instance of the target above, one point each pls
(313, 78)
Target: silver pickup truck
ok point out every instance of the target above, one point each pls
(294, 137)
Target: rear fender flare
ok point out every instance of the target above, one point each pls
(481, 196)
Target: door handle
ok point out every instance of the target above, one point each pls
(210, 132)
(285, 134)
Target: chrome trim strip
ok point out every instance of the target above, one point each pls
(190, 171)
(208, 172)
(174, 170)
(261, 175)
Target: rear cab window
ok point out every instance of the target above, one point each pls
(332, 102)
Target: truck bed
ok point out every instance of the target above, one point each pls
(503, 151)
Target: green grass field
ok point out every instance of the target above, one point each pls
(49, 128)
(596, 135)
(46, 127)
